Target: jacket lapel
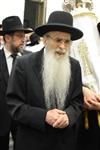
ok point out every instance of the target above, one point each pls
(37, 69)
(3, 66)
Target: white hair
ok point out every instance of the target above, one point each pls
(56, 78)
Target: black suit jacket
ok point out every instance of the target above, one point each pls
(4, 116)
(5, 119)
(25, 98)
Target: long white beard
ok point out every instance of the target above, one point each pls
(56, 78)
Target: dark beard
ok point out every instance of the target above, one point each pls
(16, 49)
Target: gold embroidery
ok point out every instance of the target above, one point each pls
(87, 71)
(83, 52)
(91, 14)
(98, 115)
(86, 119)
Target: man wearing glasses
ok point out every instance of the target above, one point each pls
(44, 92)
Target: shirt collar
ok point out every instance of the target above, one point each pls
(8, 53)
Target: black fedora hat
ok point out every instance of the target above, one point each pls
(98, 26)
(0, 25)
(34, 39)
(60, 21)
(12, 24)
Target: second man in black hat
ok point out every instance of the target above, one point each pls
(13, 35)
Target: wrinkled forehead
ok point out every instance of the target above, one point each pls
(59, 34)
(19, 34)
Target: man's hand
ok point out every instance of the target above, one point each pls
(91, 99)
(95, 105)
(57, 118)
(61, 122)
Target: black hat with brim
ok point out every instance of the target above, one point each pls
(12, 31)
(12, 24)
(60, 21)
(0, 25)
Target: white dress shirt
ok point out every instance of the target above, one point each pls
(9, 59)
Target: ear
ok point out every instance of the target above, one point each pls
(44, 40)
(7, 37)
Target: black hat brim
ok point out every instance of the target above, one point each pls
(2, 32)
(75, 33)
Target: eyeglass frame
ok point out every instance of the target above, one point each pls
(59, 41)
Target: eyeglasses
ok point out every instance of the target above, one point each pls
(59, 41)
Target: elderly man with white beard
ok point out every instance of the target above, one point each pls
(44, 93)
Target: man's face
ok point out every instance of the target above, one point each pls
(15, 41)
(1, 38)
(58, 42)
